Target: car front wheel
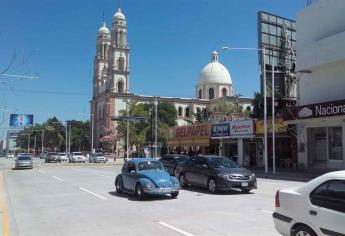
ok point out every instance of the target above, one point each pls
(139, 192)
(174, 194)
(118, 185)
(303, 230)
(212, 187)
(245, 190)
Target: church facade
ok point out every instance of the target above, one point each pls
(111, 80)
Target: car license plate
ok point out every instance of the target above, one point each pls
(245, 184)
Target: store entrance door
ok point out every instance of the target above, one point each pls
(250, 156)
(317, 147)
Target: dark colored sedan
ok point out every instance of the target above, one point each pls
(215, 173)
(53, 157)
(170, 162)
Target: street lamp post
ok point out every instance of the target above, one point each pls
(273, 120)
(263, 55)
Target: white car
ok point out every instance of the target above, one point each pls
(63, 157)
(315, 209)
(77, 157)
(97, 157)
(10, 155)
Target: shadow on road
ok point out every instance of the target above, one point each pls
(131, 197)
(205, 191)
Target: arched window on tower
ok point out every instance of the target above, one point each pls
(187, 112)
(211, 93)
(224, 92)
(121, 63)
(200, 94)
(179, 111)
(120, 86)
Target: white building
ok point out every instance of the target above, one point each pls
(111, 89)
(321, 85)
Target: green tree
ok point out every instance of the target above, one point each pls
(202, 116)
(258, 105)
(80, 135)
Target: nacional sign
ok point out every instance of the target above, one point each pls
(325, 109)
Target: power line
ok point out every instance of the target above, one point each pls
(46, 92)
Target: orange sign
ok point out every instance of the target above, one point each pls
(279, 126)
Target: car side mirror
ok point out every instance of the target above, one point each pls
(132, 171)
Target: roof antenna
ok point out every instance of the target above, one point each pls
(103, 21)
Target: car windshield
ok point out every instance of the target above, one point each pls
(78, 153)
(150, 165)
(221, 162)
(52, 154)
(181, 158)
(62, 154)
(24, 158)
(99, 155)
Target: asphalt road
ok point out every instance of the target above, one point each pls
(80, 199)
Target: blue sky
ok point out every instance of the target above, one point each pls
(170, 41)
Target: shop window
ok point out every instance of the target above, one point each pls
(335, 148)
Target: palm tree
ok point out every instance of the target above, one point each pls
(258, 105)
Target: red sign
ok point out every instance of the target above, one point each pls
(199, 130)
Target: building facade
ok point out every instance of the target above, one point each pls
(321, 86)
(111, 79)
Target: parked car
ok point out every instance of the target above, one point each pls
(316, 208)
(145, 176)
(97, 158)
(43, 155)
(170, 162)
(10, 155)
(23, 161)
(63, 156)
(52, 157)
(215, 173)
(77, 157)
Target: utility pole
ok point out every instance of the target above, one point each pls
(29, 143)
(35, 146)
(69, 140)
(151, 132)
(66, 139)
(273, 120)
(156, 128)
(42, 150)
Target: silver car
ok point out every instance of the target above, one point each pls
(98, 157)
(23, 161)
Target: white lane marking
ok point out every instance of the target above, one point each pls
(41, 171)
(57, 178)
(270, 212)
(174, 228)
(105, 176)
(94, 194)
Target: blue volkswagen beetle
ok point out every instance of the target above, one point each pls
(145, 176)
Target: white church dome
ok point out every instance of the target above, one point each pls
(119, 15)
(104, 30)
(214, 72)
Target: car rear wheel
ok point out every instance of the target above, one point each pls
(139, 192)
(303, 230)
(212, 187)
(119, 185)
(174, 194)
(182, 181)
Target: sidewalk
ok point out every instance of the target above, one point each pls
(287, 174)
